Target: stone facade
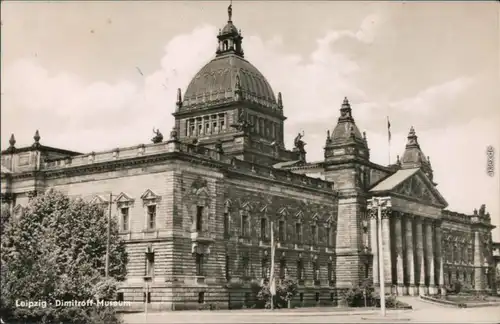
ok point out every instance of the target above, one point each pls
(196, 211)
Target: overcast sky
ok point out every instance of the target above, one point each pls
(96, 75)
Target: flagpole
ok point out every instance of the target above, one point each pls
(389, 138)
(271, 274)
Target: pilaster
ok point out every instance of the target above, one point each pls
(374, 247)
(398, 239)
(410, 262)
(419, 240)
(429, 235)
(387, 253)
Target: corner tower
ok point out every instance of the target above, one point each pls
(230, 102)
(413, 157)
(346, 155)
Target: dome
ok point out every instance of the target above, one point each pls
(216, 83)
(229, 29)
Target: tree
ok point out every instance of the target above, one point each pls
(4, 217)
(285, 291)
(56, 252)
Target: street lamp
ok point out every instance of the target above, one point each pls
(380, 203)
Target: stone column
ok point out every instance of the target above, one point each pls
(429, 238)
(439, 257)
(374, 247)
(419, 240)
(410, 262)
(386, 241)
(478, 263)
(398, 239)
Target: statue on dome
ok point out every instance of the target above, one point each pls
(230, 11)
(158, 138)
(299, 143)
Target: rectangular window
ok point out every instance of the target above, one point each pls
(315, 271)
(226, 225)
(244, 225)
(314, 235)
(282, 268)
(201, 297)
(150, 264)
(152, 217)
(317, 297)
(265, 268)
(263, 228)
(301, 297)
(330, 272)
(228, 269)
(281, 231)
(125, 219)
(300, 269)
(246, 266)
(329, 236)
(199, 264)
(199, 218)
(298, 232)
(119, 297)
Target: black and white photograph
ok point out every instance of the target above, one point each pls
(250, 162)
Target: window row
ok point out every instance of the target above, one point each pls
(313, 229)
(206, 125)
(282, 269)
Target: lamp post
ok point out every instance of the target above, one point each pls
(108, 236)
(380, 203)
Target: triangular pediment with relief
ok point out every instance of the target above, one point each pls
(99, 200)
(123, 197)
(419, 187)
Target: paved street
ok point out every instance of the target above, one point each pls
(422, 312)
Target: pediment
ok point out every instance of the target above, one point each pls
(99, 200)
(419, 187)
(149, 195)
(283, 212)
(247, 206)
(299, 215)
(123, 198)
(315, 217)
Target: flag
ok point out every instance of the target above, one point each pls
(388, 128)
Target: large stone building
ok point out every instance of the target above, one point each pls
(196, 209)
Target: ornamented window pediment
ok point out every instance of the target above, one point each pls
(99, 200)
(283, 212)
(299, 216)
(124, 200)
(247, 206)
(150, 198)
(315, 217)
(330, 221)
(264, 209)
(198, 184)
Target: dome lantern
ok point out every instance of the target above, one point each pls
(229, 38)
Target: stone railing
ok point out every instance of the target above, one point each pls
(195, 150)
(456, 217)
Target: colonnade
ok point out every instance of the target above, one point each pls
(412, 253)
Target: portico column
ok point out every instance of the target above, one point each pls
(429, 238)
(387, 253)
(439, 256)
(398, 237)
(374, 247)
(410, 262)
(419, 239)
(478, 263)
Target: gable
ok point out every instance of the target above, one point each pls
(123, 197)
(98, 199)
(419, 187)
(149, 195)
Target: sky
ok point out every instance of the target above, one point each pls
(97, 75)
